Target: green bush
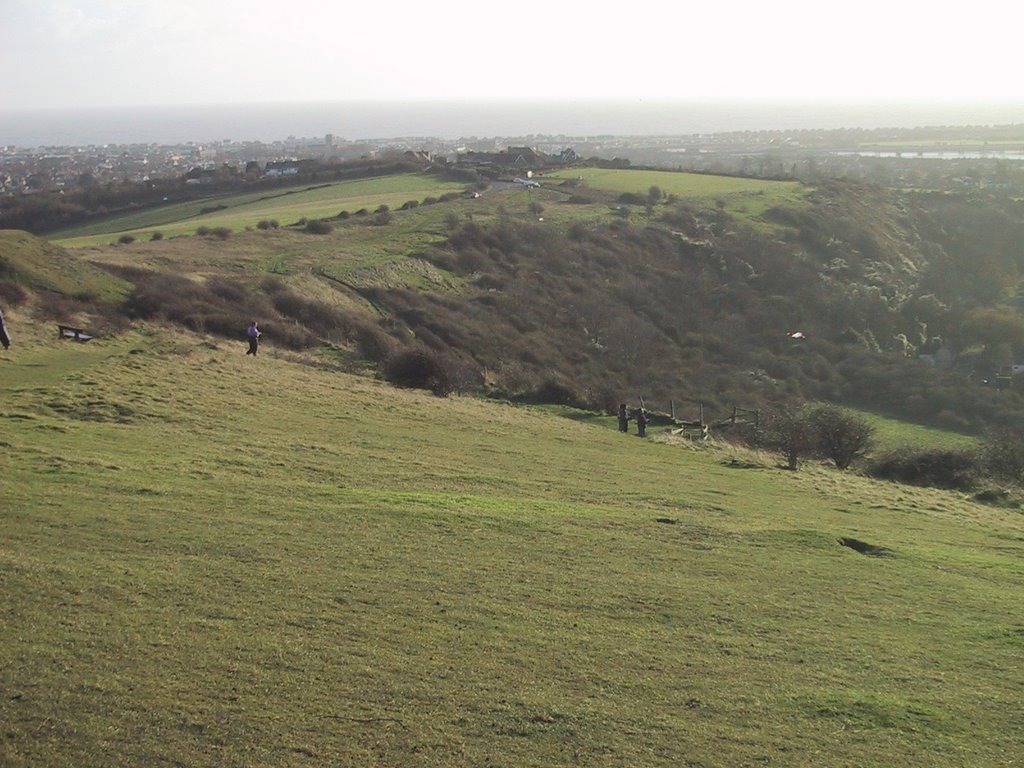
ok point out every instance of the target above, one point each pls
(841, 435)
(222, 233)
(373, 343)
(952, 469)
(556, 390)
(319, 227)
(419, 368)
(1003, 455)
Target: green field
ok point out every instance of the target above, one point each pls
(214, 560)
(242, 211)
(359, 250)
(892, 434)
(747, 199)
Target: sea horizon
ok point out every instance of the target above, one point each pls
(449, 121)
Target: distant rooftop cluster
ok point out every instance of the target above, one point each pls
(28, 169)
(799, 154)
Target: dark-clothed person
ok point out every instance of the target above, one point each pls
(4, 338)
(641, 422)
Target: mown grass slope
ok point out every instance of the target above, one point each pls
(239, 211)
(746, 199)
(214, 560)
(36, 264)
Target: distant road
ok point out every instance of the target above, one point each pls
(498, 186)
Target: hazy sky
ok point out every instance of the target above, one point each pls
(61, 53)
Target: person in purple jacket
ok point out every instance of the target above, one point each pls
(254, 338)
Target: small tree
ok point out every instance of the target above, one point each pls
(841, 435)
(790, 432)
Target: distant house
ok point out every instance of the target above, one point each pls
(513, 157)
(275, 170)
(525, 157)
(569, 155)
(418, 156)
(199, 175)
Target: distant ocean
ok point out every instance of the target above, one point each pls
(454, 120)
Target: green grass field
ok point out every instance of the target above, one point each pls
(358, 251)
(746, 199)
(214, 560)
(892, 434)
(287, 206)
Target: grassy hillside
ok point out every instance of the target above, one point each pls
(891, 434)
(615, 292)
(746, 199)
(238, 211)
(35, 264)
(215, 560)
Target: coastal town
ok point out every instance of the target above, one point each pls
(971, 157)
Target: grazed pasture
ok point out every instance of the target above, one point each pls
(214, 560)
(239, 211)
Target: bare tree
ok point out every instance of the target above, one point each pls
(841, 435)
(789, 431)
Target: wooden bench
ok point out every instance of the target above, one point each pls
(74, 334)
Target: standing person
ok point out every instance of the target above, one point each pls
(254, 338)
(641, 422)
(4, 338)
(623, 418)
